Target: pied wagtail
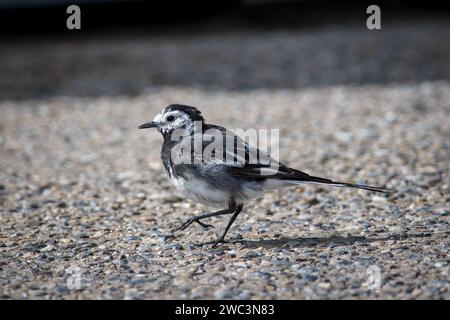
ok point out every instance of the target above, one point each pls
(225, 177)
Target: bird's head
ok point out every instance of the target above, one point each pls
(173, 117)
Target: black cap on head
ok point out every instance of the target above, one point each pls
(193, 112)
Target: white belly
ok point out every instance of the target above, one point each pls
(199, 191)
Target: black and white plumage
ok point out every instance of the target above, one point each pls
(222, 177)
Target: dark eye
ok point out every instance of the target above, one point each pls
(170, 118)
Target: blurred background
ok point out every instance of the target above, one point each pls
(122, 45)
(80, 184)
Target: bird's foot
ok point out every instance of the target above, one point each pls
(192, 220)
(205, 225)
(218, 241)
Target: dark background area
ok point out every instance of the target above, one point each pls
(31, 17)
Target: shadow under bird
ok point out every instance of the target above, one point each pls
(223, 177)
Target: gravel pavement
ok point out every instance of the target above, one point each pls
(86, 208)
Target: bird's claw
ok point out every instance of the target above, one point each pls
(218, 241)
(205, 225)
(189, 221)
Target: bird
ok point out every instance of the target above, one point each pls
(224, 176)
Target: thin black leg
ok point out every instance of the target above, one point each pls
(236, 213)
(203, 216)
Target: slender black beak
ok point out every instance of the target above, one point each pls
(147, 125)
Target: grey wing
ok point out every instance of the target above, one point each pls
(218, 152)
(238, 158)
(254, 164)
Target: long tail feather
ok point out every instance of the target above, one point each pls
(301, 177)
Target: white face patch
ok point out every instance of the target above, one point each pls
(181, 120)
